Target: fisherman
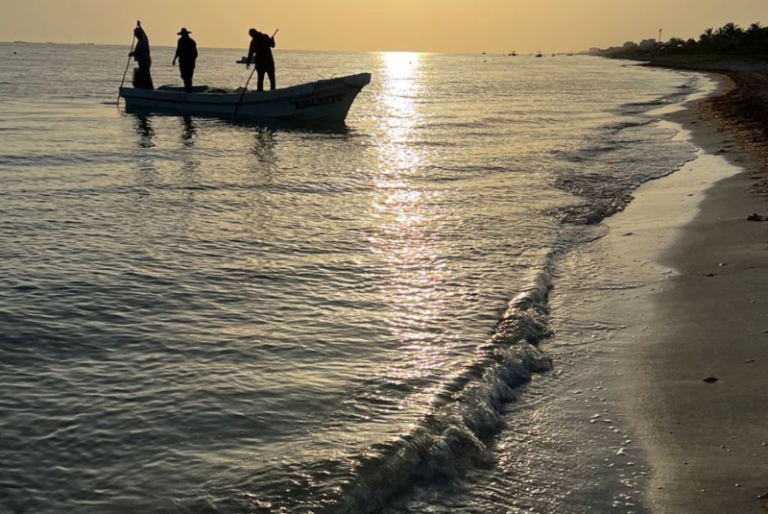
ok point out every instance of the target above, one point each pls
(186, 53)
(142, 78)
(261, 49)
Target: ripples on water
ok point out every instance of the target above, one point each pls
(205, 316)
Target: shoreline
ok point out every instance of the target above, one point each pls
(739, 110)
(703, 307)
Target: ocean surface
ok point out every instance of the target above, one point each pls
(203, 316)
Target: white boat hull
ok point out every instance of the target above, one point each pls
(325, 100)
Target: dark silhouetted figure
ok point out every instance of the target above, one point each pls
(186, 53)
(142, 77)
(261, 49)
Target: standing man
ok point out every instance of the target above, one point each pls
(142, 77)
(186, 53)
(261, 49)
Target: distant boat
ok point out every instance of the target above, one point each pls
(324, 100)
(243, 60)
(539, 54)
(513, 54)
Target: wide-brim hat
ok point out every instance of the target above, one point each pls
(183, 32)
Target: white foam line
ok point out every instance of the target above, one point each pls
(663, 207)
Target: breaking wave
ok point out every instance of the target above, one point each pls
(466, 414)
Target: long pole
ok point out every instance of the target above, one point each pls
(245, 89)
(128, 64)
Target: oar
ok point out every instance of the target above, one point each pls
(128, 64)
(237, 107)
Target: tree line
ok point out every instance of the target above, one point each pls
(730, 39)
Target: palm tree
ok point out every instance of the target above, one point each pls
(730, 32)
(753, 33)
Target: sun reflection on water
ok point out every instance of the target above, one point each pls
(409, 218)
(404, 83)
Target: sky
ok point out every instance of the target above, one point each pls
(452, 26)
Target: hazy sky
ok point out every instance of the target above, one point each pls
(465, 26)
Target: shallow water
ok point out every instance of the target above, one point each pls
(205, 316)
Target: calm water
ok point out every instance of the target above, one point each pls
(200, 316)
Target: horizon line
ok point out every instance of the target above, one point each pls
(17, 42)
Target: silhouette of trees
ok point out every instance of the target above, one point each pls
(705, 40)
(729, 32)
(730, 39)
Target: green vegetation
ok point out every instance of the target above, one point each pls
(729, 42)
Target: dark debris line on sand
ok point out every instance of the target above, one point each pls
(743, 112)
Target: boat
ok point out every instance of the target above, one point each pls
(243, 60)
(325, 100)
(539, 54)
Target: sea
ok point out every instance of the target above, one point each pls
(205, 316)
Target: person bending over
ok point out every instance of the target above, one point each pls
(261, 50)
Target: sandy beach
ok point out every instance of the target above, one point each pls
(692, 368)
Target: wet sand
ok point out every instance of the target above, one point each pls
(695, 373)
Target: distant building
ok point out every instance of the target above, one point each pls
(630, 45)
(594, 51)
(647, 44)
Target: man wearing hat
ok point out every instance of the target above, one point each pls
(186, 53)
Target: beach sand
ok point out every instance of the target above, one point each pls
(694, 376)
